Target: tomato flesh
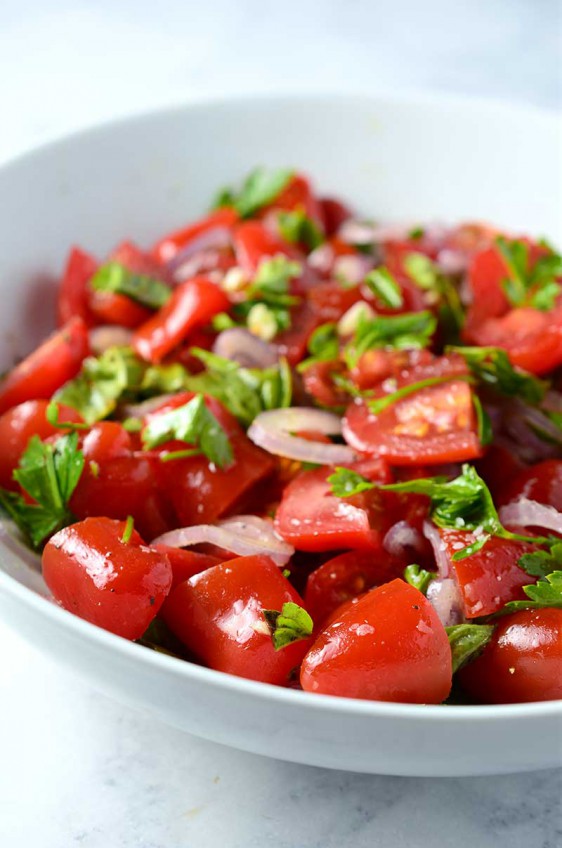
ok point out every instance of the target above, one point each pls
(73, 293)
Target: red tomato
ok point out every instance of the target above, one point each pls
(491, 577)
(293, 342)
(118, 482)
(532, 339)
(522, 662)
(48, 368)
(168, 247)
(498, 467)
(73, 290)
(311, 518)
(333, 214)
(253, 242)
(379, 364)
(331, 300)
(186, 563)
(486, 273)
(192, 304)
(111, 308)
(93, 573)
(318, 380)
(346, 576)
(17, 426)
(199, 491)
(387, 646)
(218, 614)
(541, 482)
(297, 194)
(136, 260)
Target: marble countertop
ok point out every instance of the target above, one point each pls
(77, 768)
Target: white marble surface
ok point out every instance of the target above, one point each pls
(78, 769)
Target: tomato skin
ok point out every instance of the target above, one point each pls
(521, 663)
(318, 380)
(192, 304)
(17, 426)
(486, 273)
(344, 577)
(541, 482)
(111, 308)
(73, 293)
(117, 482)
(186, 563)
(218, 615)
(491, 577)
(378, 364)
(312, 519)
(331, 300)
(297, 194)
(334, 213)
(389, 645)
(292, 343)
(50, 366)
(253, 243)
(169, 246)
(117, 585)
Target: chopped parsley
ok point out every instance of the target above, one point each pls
(261, 187)
(142, 288)
(128, 531)
(52, 415)
(491, 367)
(290, 625)
(467, 641)
(409, 330)
(385, 287)
(535, 286)
(418, 577)
(541, 563)
(48, 473)
(345, 483)
(297, 228)
(323, 345)
(192, 423)
(270, 292)
(545, 593)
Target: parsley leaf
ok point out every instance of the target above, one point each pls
(464, 503)
(128, 531)
(297, 228)
(422, 270)
(418, 577)
(244, 391)
(537, 286)
(409, 330)
(52, 415)
(491, 366)
(290, 625)
(192, 423)
(323, 345)
(345, 483)
(542, 563)
(49, 474)
(385, 286)
(146, 290)
(269, 293)
(429, 277)
(545, 593)
(467, 641)
(95, 392)
(260, 188)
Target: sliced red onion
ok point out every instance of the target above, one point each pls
(139, 410)
(214, 239)
(322, 258)
(446, 599)
(552, 401)
(452, 261)
(109, 335)
(524, 425)
(360, 232)
(239, 345)
(401, 538)
(244, 535)
(352, 269)
(527, 513)
(272, 431)
(431, 533)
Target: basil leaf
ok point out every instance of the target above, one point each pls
(467, 641)
(116, 278)
(290, 625)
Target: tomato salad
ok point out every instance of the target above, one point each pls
(306, 449)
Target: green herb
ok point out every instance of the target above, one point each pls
(116, 278)
(192, 423)
(223, 321)
(467, 641)
(128, 531)
(483, 422)
(95, 392)
(270, 289)
(163, 379)
(545, 593)
(409, 330)
(418, 577)
(464, 503)
(260, 188)
(525, 286)
(297, 228)
(428, 276)
(416, 234)
(542, 563)
(290, 625)
(52, 415)
(378, 405)
(422, 270)
(491, 367)
(345, 483)
(48, 473)
(323, 345)
(244, 391)
(385, 287)
(132, 425)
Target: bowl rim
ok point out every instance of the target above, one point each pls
(178, 667)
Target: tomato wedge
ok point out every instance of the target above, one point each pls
(541, 482)
(73, 293)
(253, 243)
(48, 368)
(167, 248)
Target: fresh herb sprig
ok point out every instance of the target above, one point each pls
(260, 188)
(535, 284)
(290, 625)
(142, 288)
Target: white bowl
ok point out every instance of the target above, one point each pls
(406, 159)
